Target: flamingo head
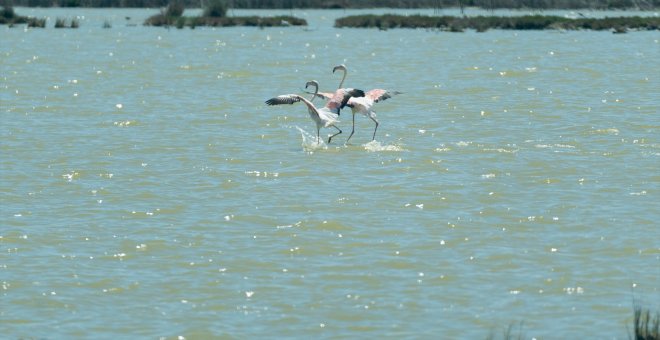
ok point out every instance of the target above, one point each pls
(312, 83)
(341, 67)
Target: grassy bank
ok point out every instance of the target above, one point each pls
(483, 23)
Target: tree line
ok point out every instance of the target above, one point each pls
(290, 4)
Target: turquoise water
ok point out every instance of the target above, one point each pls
(148, 191)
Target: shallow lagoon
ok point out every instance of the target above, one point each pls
(148, 191)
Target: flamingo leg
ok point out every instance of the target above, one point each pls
(352, 131)
(330, 138)
(318, 132)
(376, 128)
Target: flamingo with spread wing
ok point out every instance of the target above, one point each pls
(325, 116)
(363, 105)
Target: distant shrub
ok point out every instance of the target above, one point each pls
(74, 23)
(70, 3)
(7, 13)
(107, 24)
(159, 20)
(60, 23)
(216, 9)
(180, 22)
(9, 17)
(168, 16)
(175, 8)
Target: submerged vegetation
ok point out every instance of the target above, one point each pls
(215, 14)
(483, 23)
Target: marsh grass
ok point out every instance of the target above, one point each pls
(255, 21)
(215, 15)
(508, 333)
(62, 23)
(646, 326)
(36, 22)
(484, 23)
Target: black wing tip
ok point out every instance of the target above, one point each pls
(282, 100)
(387, 95)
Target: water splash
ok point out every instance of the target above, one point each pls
(309, 142)
(375, 146)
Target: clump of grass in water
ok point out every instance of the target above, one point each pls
(34, 22)
(60, 23)
(508, 335)
(646, 327)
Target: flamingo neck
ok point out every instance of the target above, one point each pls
(342, 79)
(316, 91)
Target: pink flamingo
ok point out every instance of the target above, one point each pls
(325, 116)
(363, 105)
(328, 95)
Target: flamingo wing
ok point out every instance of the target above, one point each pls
(341, 97)
(378, 95)
(291, 99)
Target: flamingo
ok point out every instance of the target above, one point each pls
(328, 95)
(325, 116)
(363, 105)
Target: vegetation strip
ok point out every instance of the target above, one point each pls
(483, 23)
(192, 22)
(215, 14)
(289, 4)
